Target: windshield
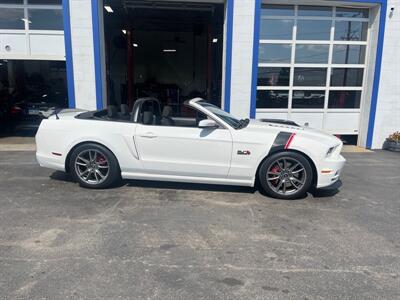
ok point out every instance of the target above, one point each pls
(228, 118)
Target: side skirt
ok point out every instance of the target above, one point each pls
(187, 179)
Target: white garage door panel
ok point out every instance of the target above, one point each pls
(343, 123)
(47, 45)
(16, 43)
(272, 115)
(314, 120)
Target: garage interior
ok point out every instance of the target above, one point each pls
(29, 91)
(168, 50)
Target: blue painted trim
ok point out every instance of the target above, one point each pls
(366, 1)
(68, 54)
(228, 54)
(97, 54)
(256, 44)
(377, 75)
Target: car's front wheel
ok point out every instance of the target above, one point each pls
(94, 166)
(285, 175)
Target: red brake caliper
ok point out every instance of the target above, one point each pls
(100, 159)
(275, 169)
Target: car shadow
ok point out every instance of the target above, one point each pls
(61, 176)
(189, 186)
(65, 177)
(316, 193)
(327, 192)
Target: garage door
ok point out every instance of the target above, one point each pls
(312, 65)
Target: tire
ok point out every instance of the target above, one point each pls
(94, 166)
(285, 175)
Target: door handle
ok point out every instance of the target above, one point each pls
(149, 135)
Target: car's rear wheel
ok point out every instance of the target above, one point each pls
(286, 175)
(94, 166)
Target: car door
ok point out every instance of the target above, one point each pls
(184, 151)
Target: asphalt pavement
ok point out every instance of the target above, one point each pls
(150, 240)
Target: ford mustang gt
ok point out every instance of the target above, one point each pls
(201, 144)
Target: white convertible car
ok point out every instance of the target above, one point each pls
(202, 145)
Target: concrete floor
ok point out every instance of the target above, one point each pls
(180, 241)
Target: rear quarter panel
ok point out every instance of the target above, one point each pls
(60, 136)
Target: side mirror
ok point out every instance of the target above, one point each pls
(208, 124)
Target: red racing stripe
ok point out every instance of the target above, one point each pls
(289, 140)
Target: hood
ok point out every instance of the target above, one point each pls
(301, 131)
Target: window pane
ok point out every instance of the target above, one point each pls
(318, 11)
(272, 99)
(277, 10)
(308, 99)
(344, 99)
(11, 18)
(343, 12)
(348, 54)
(314, 30)
(276, 29)
(45, 19)
(351, 31)
(273, 76)
(275, 53)
(318, 54)
(347, 77)
(11, 1)
(45, 2)
(310, 76)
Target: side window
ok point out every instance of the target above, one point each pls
(185, 116)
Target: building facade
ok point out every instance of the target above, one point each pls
(330, 64)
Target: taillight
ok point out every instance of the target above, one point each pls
(15, 110)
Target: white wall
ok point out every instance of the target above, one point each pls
(242, 57)
(83, 54)
(388, 107)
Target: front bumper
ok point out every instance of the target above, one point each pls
(330, 170)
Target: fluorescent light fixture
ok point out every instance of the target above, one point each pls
(124, 31)
(169, 50)
(215, 41)
(26, 20)
(108, 9)
(135, 45)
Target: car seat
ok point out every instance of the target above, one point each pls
(112, 112)
(166, 119)
(124, 109)
(148, 118)
(124, 114)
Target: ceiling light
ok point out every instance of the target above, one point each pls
(169, 50)
(215, 41)
(135, 45)
(108, 9)
(124, 31)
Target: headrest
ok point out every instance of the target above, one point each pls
(167, 111)
(124, 109)
(148, 117)
(112, 111)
